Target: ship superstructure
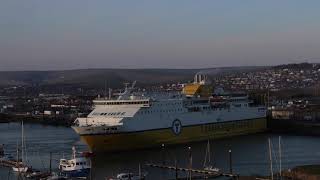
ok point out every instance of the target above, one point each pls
(134, 121)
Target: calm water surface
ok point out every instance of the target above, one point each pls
(250, 152)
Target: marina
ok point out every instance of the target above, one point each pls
(296, 150)
(205, 173)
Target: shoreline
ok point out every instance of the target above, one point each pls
(65, 121)
(303, 172)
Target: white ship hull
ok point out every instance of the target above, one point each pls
(134, 122)
(151, 128)
(155, 138)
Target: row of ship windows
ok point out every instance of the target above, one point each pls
(161, 111)
(227, 126)
(239, 105)
(218, 107)
(179, 110)
(111, 129)
(149, 112)
(167, 104)
(105, 129)
(111, 114)
(120, 103)
(238, 100)
(81, 163)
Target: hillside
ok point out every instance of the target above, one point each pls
(110, 77)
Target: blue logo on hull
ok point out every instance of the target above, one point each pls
(176, 126)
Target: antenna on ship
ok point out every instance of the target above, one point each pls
(133, 84)
(126, 86)
(110, 91)
(127, 90)
(105, 89)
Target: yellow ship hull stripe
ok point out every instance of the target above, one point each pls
(154, 138)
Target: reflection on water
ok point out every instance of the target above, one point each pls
(250, 153)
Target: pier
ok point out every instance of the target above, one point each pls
(30, 174)
(7, 163)
(207, 173)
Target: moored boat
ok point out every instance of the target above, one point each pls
(207, 166)
(128, 176)
(20, 166)
(77, 166)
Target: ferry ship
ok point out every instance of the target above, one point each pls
(141, 120)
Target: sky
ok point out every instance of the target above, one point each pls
(74, 34)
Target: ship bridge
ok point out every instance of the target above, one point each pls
(111, 115)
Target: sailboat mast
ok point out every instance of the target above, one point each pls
(22, 142)
(209, 157)
(17, 153)
(280, 156)
(270, 158)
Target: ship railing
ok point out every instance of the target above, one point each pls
(121, 101)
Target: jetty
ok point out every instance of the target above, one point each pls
(7, 163)
(208, 173)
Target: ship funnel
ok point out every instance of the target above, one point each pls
(201, 78)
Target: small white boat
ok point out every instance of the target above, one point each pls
(20, 168)
(212, 169)
(36, 174)
(207, 160)
(54, 176)
(128, 176)
(76, 166)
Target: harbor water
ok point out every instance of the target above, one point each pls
(250, 155)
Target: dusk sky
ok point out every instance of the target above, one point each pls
(72, 34)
